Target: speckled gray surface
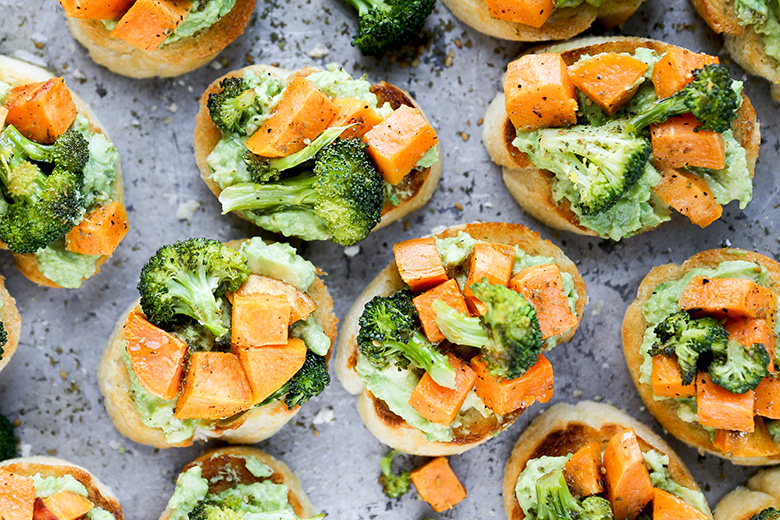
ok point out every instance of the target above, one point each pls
(50, 385)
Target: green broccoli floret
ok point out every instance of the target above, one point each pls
(741, 369)
(69, 152)
(393, 485)
(187, 279)
(713, 97)
(767, 514)
(554, 500)
(385, 25)
(228, 107)
(308, 382)
(344, 190)
(508, 333)
(7, 439)
(596, 508)
(211, 512)
(389, 335)
(3, 339)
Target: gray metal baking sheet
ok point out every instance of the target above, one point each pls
(51, 388)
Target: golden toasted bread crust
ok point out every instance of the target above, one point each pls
(214, 461)
(634, 326)
(531, 186)
(385, 425)
(762, 491)
(421, 183)
(564, 428)
(12, 322)
(249, 427)
(99, 493)
(169, 60)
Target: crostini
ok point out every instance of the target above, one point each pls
(315, 154)
(759, 499)
(540, 20)
(10, 325)
(147, 38)
(233, 481)
(62, 212)
(699, 341)
(598, 136)
(444, 347)
(45, 488)
(591, 460)
(226, 341)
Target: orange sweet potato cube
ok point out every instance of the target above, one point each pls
(96, 9)
(354, 111)
(677, 144)
(100, 232)
(300, 116)
(668, 507)
(64, 505)
(490, 261)
(609, 79)
(689, 194)
(729, 298)
(419, 263)
(629, 488)
(268, 368)
(673, 71)
(216, 387)
(583, 471)
(438, 485)
(528, 12)
(156, 356)
(542, 286)
(439, 404)
(260, 319)
(398, 142)
(767, 403)
(507, 395)
(539, 92)
(41, 111)
(17, 496)
(301, 304)
(757, 443)
(449, 293)
(667, 380)
(723, 410)
(747, 331)
(149, 22)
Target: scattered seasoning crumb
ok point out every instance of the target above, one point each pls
(459, 206)
(458, 43)
(577, 394)
(597, 308)
(406, 225)
(187, 209)
(464, 136)
(16, 423)
(324, 416)
(416, 63)
(215, 65)
(173, 108)
(167, 120)
(598, 398)
(63, 375)
(319, 51)
(480, 121)
(351, 251)
(25, 449)
(449, 59)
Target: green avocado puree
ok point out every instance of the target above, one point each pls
(763, 16)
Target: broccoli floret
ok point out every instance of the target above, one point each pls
(211, 512)
(711, 97)
(344, 190)
(394, 485)
(596, 508)
(3, 339)
(388, 335)
(741, 369)
(554, 500)
(229, 106)
(767, 514)
(308, 382)
(385, 25)
(69, 152)
(7, 439)
(187, 279)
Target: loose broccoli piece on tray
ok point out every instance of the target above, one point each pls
(3, 339)
(7, 439)
(388, 335)
(385, 25)
(344, 190)
(394, 485)
(228, 107)
(740, 369)
(187, 278)
(767, 514)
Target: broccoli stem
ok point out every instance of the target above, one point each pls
(420, 352)
(308, 153)
(33, 150)
(294, 193)
(195, 289)
(459, 328)
(658, 112)
(362, 6)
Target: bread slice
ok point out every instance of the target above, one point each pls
(249, 427)
(565, 428)
(12, 322)
(215, 462)
(564, 24)
(170, 60)
(634, 326)
(16, 73)
(761, 492)
(531, 186)
(99, 493)
(422, 183)
(390, 428)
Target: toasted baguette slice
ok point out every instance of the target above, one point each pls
(249, 427)
(215, 462)
(390, 428)
(99, 493)
(12, 322)
(564, 428)
(761, 492)
(170, 60)
(421, 183)
(634, 326)
(531, 186)
(564, 24)
(16, 73)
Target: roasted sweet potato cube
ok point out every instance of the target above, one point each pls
(729, 298)
(539, 92)
(668, 507)
(528, 12)
(629, 488)
(673, 71)
(216, 387)
(149, 22)
(100, 232)
(41, 111)
(767, 403)
(268, 368)
(689, 194)
(583, 471)
(677, 144)
(354, 111)
(399, 142)
(63, 505)
(667, 380)
(260, 319)
(490, 261)
(419, 263)
(96, 9)
(449, 293)
(748, 331)
(300, 116)
(723, 410)
(439, 404)
(507, 395)
(301, 304)
(17, 496)
(757, 443)
(542, 286)
(609, 79)
(438, 485)
(156, 356)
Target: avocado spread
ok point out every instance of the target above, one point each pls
(763, 16)
(48, 486)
